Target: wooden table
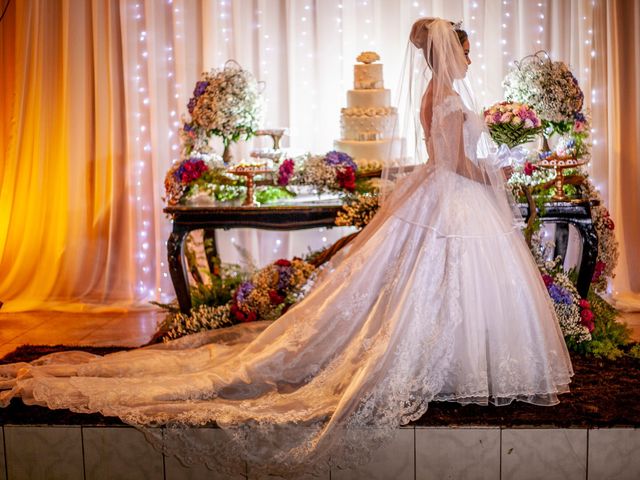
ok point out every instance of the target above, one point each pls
(186, 219)
(299, 217)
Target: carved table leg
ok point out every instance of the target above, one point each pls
(589, 256)
(176, 269)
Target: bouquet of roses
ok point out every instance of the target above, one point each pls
(512, 123)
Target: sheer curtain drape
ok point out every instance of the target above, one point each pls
(622, 106)
(95, 90)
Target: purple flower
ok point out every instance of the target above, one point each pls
(335, 158)
(192, 104)
(560, 295)
(284, 276)
(188, 127)
(200, 88)
(243, 291)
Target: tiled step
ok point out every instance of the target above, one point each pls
(88, 452)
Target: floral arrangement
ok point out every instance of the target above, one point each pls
(202, 317)
(266, 295)
(208, 175)
(180, 176)
(588, 325)
(528, 174)
(549, 87)
(270, 291)
(553, 92)
(226, 102)
(200, 174)
(359, 211)
(608, 247)
(512, 123)
(335, 171)
(574, 313)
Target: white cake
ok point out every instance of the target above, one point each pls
(368, 126)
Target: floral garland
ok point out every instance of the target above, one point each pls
(608, 246)
(207, 174)
(227, 103)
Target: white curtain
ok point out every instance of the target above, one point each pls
(125, 70)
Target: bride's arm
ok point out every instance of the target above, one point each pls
(465, 166)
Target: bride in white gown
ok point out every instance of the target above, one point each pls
(437, 299)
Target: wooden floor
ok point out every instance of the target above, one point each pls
(130, 329)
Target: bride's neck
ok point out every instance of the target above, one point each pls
(441, 87)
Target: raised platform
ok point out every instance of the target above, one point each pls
(111, 452)
(450, 441)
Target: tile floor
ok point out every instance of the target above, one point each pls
(33, 452)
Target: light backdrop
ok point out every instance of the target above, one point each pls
(95, 90)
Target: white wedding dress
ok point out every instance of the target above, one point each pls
(437, 299)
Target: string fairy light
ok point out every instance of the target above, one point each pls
(140, 120)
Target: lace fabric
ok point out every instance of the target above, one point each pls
(437, 299)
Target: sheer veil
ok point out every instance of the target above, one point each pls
(435, 101)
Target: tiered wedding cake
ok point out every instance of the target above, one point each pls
(368, 126)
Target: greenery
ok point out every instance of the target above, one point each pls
(272, 194)
(609, 336)
(512, 135)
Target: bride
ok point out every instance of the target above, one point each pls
(437, 299)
